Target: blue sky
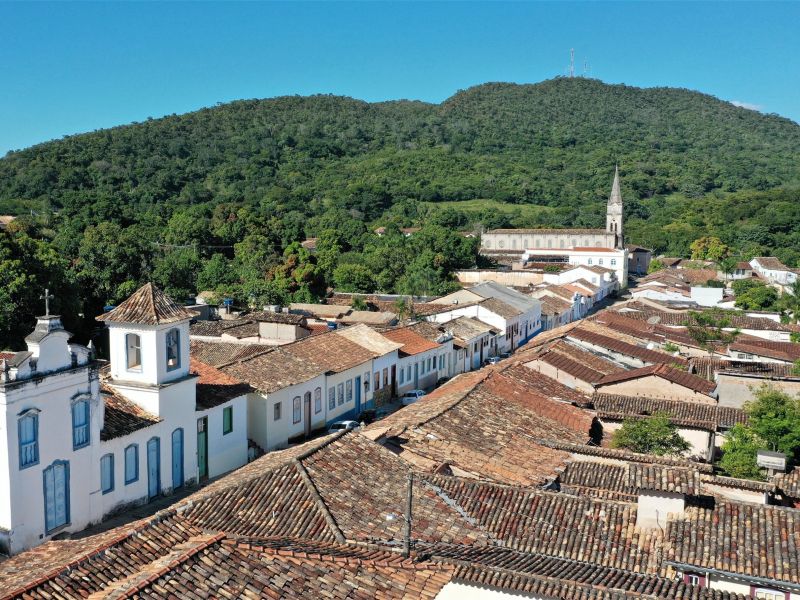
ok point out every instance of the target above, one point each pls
(72, 67)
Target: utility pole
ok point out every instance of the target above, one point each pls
(407, 534)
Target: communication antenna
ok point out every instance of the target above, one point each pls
(572, 62)
(586, 68)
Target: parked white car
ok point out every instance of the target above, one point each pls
(343, 425)
(411, 397)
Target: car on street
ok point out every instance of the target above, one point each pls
(411, 396)
(343, 425)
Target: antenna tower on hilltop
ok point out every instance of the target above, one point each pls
(572, 62)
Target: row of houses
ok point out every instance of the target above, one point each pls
(496, 485)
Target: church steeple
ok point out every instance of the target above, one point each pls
(614, 211)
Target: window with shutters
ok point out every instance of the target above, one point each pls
(276, 412)
(107, 473)
(131, 463)
(318, 400)
(331, 398)
(340, 393)
(133, 357)
(173, 349)
(28, 430)
(227, 420)
(80, 424)
(297, 409)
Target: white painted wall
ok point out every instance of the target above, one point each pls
(225, 451)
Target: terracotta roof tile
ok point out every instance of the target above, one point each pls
(616, 345)
(148, 306)
(215, 387)
(413, 343)
(122, 416)
(221, 353)
(682, 378)
(690, 414)
(273, 371)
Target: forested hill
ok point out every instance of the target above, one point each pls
(218, 199)
(552, 143)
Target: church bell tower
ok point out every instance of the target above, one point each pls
(614, 212)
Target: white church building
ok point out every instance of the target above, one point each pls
(74, 449)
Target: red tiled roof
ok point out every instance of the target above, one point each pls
(148, 306)
(682, 378)
(122, 416)
(616, 345)
(221, 353)
(691, 414)
(413, 343)
(785, 351)
(215, 387)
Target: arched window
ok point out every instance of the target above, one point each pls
(133, 347)
(28, 429)
(173, 349)
(80, 424)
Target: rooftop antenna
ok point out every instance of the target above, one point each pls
(572, 62)
(586, 68)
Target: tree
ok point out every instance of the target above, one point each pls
(358, 303)
(353, 278)
(652, 435)
(710, 329)
(741, 286)
(727, 265)
(758, 298)
(739, 453)
(789, 303)
(775, 418)
(655, 266)
(709, 248)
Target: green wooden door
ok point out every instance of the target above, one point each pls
(202, 447)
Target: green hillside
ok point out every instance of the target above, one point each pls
(216, 197)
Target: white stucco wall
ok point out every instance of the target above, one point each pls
(226, 451)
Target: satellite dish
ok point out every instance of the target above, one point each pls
(654, 320)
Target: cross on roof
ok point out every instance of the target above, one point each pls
(46, 297)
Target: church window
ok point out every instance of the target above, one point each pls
(538, 242)
(173, 350)
(501, 244)
(133, 344)
(487, 243)
(589, 261)
(80, 424)
(599, 261)
(28, 428)
(561, 243)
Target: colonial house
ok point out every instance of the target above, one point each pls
(517, 315)
(659, 381)
(473, 343)
(421, 362)
(84, 450)
(773, 270)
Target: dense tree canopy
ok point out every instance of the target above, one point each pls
(220, 198)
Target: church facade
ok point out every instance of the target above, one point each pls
(519, 240)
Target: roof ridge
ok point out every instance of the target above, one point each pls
(154, 570)
(317, 498)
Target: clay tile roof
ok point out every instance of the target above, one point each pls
(552, 231)
(750, 539)
(687, 380)
(148, 306)
(122, 416)
(412, 342)
(215, 387)
(771, 263)
(274, 370)
(621, 347)
(707, 368)
(690, 414)
(624, 482)
(498, 307)
(786, 351)
(329, 351)
(267, 316)
(220, 353)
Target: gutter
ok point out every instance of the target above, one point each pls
(765, 581)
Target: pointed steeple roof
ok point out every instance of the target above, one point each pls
(616, 195)
(148, 306)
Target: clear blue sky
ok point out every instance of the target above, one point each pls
(69, 67)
